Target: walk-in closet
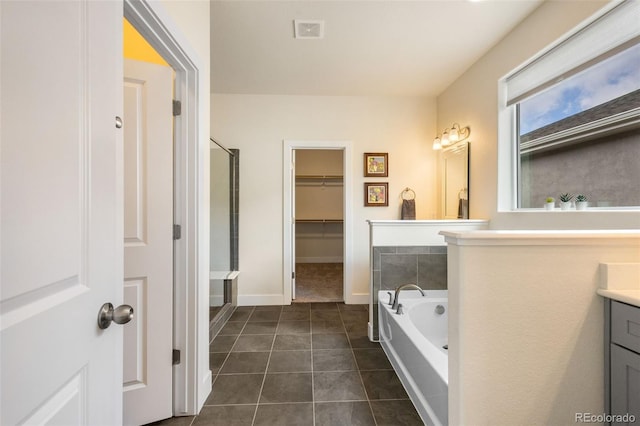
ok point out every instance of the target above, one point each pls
(319, 225)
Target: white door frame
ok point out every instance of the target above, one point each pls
(161, 33)
(288, 266)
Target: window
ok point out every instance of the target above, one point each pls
(576, 115)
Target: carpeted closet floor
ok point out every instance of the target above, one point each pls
(319, 282)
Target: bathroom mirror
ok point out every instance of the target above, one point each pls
(454, 176)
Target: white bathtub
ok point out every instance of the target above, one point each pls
(414, 344)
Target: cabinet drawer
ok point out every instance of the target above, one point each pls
(625, 326)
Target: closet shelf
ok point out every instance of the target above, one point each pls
(319, 220)
(318, 177)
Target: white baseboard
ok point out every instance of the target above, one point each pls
(357, 299)
(260, 299)
(277, 299)
(216, 300)
(204, 391)
(334, 259)
(370, 332)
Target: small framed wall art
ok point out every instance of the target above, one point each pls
(376, 164)
(376, 194)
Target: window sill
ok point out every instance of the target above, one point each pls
(589, 209)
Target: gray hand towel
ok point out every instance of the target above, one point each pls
(408, 210)
(463, 209)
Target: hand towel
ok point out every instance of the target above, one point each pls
(408, 210)
(463, 209)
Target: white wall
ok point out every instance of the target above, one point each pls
(220, 210)
(258, 124)
(191, 17)
(473, 100)
(526, 342)
(526, 326)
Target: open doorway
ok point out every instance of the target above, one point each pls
(319, 225)
(328, 223)
(191, 382)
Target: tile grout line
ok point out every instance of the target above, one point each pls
(266, 368)
(375, 422)
(213, 379)
(313, 390)
(321, 320)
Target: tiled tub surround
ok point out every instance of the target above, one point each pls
(303, 364)
(394, 266)
(409, 251)
(425, 266)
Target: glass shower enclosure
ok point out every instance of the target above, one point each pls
(223, 228)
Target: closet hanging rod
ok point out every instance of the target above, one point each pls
(221, 146)
(319, 176)
(319, 220)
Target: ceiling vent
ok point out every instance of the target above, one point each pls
(308, 29)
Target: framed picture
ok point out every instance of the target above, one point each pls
(376, 164)
(376, 194)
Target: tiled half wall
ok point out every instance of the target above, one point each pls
(393, 266)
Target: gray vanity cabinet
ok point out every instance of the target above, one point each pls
(623, 369)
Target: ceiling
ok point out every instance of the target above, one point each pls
(370, 48)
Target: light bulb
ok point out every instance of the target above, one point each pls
(454, 136)
(445, 138)
(436, 143)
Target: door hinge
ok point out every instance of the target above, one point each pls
(293, 275)
(177, 232)
(177, 108)
(176, 357)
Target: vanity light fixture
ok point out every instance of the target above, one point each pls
(451, 136)
(437, 143)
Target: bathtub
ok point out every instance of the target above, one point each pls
(415, 343)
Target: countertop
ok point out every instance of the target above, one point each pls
(621, 282)
(632, 297)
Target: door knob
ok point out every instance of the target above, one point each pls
(118, 122)
(120, 315)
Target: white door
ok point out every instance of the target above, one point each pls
(148, 241)
(61, 220)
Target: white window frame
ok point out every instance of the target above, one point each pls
(508, 149)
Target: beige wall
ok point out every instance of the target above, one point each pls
(473, 100)
(526, 342)
(220, 210)
(257, 125)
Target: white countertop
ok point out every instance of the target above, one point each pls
(542, 237)
(417, 232)
(631, 297)
(621, 282)
(435, 222)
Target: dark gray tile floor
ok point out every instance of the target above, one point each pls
(304, 364)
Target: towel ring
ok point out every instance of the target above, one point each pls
(408, 192)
